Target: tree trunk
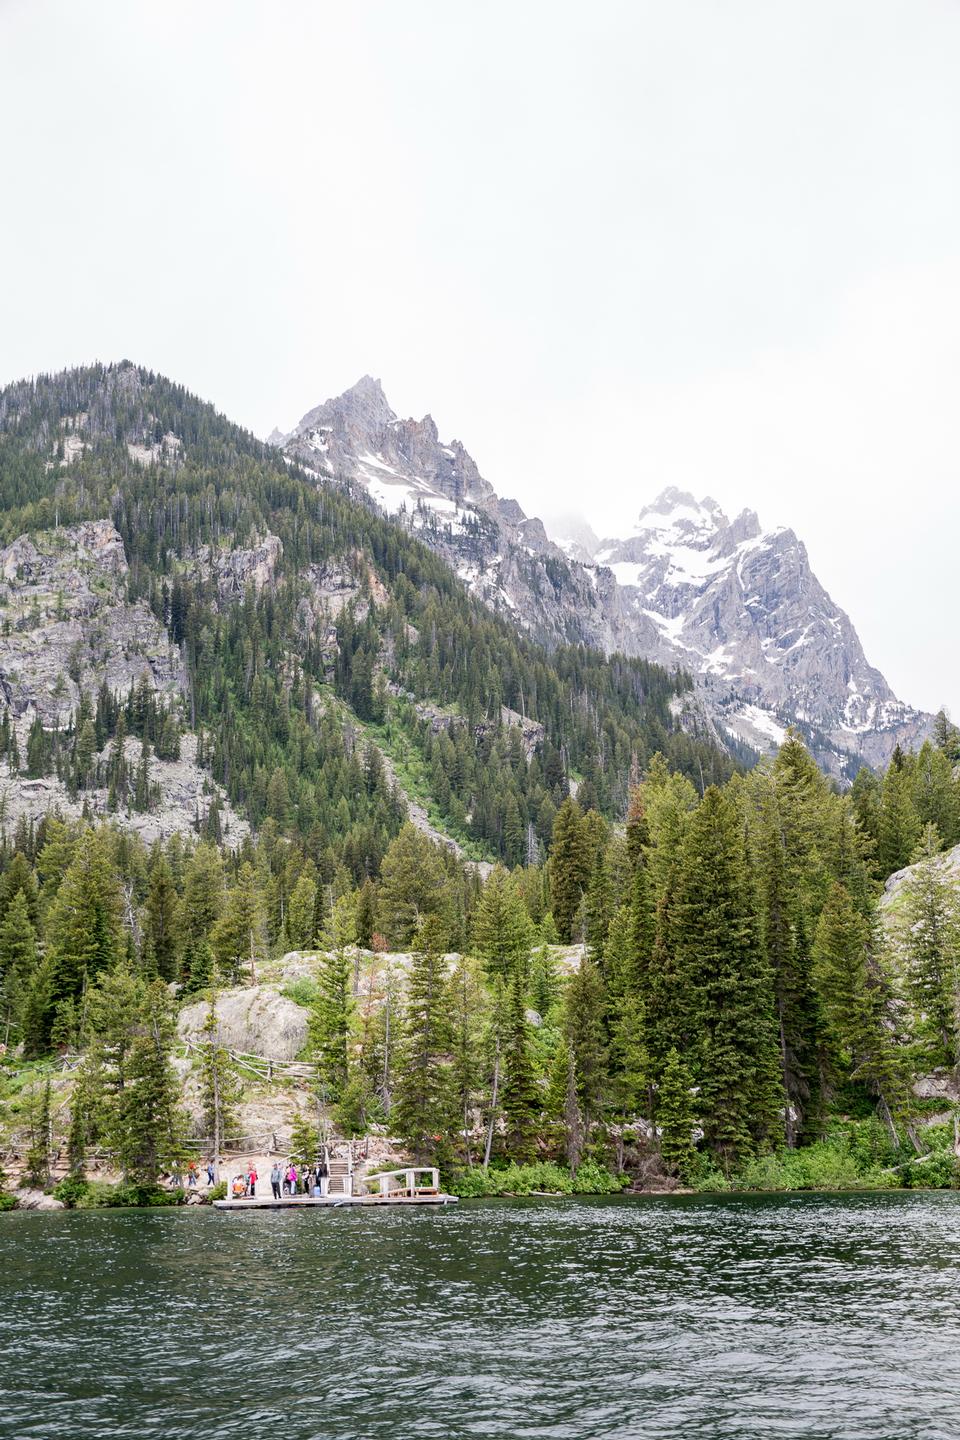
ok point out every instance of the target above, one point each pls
(493, 1106)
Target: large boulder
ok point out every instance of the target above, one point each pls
(949, 863)
(257, 1020)
(30, 1199)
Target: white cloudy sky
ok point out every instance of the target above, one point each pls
(610, 246)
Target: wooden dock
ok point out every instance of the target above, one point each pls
(389, 1188)
(331, 1202)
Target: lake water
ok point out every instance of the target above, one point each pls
(773, 1317)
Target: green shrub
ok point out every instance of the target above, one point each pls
(7, 1202)
(542, 1177)
(941, 1171)
(302, 991)
(215, 1192)
(127, 1196)
(832, 1164)
(71, 1190)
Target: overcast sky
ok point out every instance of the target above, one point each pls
(610, 247)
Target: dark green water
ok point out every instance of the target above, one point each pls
(770, 1317)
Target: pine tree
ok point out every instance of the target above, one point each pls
(929, 935)
(502, 932)
(330, 1022)
(413, 887)
(38, 1152)
(726, 995)
(586, 1037)
(84, 929)
(853, 1000)
(161, 939)
(898, 826)
(946, 736)
(467, 1005)
(77, 1134)
(149, 1125)
(112, 1017)
(203, 892)
(675, 1117)
(39, 1006)
(300, 911)
(936, 794)
(237, 937)
(18, 962)
(787, 946)
(569, 867)
(424, 1101)
(521, 1099)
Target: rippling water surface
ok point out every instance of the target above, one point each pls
(770, 1317)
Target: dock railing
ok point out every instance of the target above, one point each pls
(390, 1183)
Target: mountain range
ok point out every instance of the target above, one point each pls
(736, 606)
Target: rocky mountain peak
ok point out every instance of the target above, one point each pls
(687, 586)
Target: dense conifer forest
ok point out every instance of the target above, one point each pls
(682, 974)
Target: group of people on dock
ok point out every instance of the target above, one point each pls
(285, 1179)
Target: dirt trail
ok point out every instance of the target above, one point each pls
(420, 820)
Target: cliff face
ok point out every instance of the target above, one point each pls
(742, 606)
(737, 606)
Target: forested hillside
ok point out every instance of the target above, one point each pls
(680, 973)
(185, 489)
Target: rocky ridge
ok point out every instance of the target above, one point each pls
(736, 606)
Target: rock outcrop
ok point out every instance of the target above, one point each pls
(256, 1020)
(66, 626)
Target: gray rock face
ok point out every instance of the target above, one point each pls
(254, 1021)
(186, 795)
(742, 605)
(66, 626)
(736, 606)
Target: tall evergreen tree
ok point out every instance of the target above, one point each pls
(85, 924)
(424, 1103)
(675, 1115)
(502, 932)
(569, 867)
(237, 936)
(160, 931)
(929, 936)
(731, 1035)
(18, 963)
(521, 1098)
(330, 1021)
(149, 1125)
(853, 1001)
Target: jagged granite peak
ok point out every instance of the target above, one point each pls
(401, 463)
(741, 604)
(737, 606)
(435, 488)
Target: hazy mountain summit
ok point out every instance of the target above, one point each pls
(741, 603)
(736, 605)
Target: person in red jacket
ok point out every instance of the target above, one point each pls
(252, 1178)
